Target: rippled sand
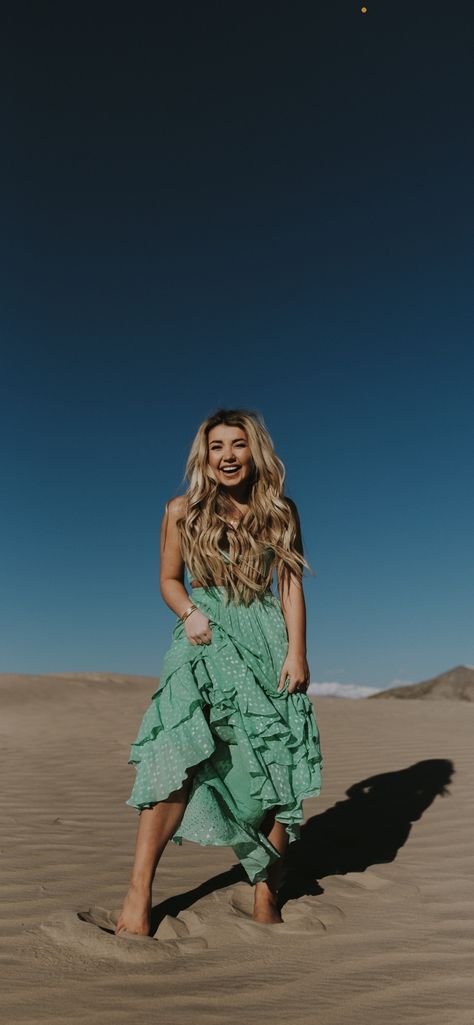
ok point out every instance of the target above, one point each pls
(378, 912)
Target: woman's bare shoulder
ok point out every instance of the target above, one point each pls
(176, 506)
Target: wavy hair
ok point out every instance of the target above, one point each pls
(271, 520)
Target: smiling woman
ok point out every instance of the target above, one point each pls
(229, 746)
(230, 455)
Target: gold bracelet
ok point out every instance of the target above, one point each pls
(187, 612)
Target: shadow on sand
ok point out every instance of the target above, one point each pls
(368, 828)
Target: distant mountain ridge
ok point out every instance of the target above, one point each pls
(454, 685)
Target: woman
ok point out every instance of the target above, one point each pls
(228, 747)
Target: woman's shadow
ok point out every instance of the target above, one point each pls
(368, 828)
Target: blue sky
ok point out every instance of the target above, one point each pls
(239, 211)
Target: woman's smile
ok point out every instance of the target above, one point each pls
(224, 443)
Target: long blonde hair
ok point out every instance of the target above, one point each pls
(270, 521)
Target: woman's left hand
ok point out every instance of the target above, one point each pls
(297, 668)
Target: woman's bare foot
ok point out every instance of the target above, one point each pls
(136, 912)
(265, 907)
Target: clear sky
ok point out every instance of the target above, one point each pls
(267, 205)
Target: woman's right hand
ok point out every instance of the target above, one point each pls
(197, 628)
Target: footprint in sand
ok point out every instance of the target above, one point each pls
(221, 917)
(91, 934)
(214, 922)
(299, 916)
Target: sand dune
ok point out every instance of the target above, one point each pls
(378, 903)
(454, 685)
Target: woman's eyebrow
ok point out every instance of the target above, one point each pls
(220, 442)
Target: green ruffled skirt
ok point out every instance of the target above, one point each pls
(260, 748)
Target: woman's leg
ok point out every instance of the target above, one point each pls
(265, 903)
(155, 827)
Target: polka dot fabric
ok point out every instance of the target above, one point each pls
(218, 707)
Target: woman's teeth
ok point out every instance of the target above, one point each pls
(230, 469)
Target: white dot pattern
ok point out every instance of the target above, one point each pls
(260, 748)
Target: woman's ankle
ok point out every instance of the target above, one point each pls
(141, 885)
(264, 890)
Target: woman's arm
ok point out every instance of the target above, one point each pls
(294, 611)
(172, 589)
(292, 599)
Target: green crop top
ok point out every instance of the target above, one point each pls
(268, 552)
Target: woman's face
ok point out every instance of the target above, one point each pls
(229, 455)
